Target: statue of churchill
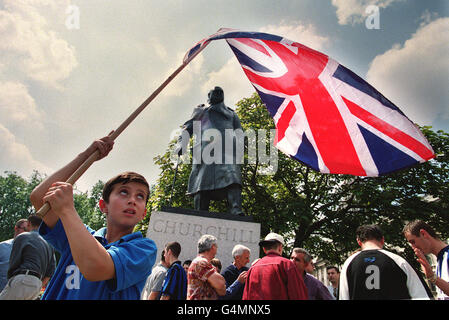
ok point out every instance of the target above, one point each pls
(215, 171)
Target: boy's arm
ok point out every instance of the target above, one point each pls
(92, 259)
(104, 145)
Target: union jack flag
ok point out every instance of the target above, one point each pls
(326, 116)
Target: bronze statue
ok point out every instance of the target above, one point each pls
(215, 171)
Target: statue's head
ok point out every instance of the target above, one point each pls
(215, 96)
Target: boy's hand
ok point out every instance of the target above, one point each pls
(60, 198)
(104, 146)
(47, 190)
(424, 263)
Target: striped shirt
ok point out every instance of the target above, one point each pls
(175, 283)
(443, 271)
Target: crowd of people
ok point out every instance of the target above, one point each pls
(117, 263)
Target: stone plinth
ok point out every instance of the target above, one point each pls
(187, 226)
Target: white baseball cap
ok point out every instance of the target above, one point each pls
(272, 237)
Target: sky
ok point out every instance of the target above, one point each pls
(72, 71)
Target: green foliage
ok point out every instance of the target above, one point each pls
(14, 200)
(86, 204)
(15, 203)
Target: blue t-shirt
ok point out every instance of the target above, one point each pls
(133, 257)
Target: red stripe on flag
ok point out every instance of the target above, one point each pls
(329, 130)
(325, 121)
(387, 129)
(284, 121)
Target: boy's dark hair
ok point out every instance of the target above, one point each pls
(124, 178)
(369, 232)
(35, 221)
(175, 248)
(415, 226)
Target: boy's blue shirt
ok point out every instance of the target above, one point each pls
(133, 257)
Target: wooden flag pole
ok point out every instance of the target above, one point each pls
(95, 155)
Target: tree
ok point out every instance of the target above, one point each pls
(14, 200)
(321, 211)
(15, 203)
(86, 204)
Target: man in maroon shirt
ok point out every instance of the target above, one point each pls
(274, 277)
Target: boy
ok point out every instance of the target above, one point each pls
(175, 283)
(424, 240)
(111, 263)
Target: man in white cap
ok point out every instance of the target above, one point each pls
(274, 277)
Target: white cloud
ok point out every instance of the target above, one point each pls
(17, 108)
(16, 155)
(304, 34)
(30, 46)
(30, 49)
(354, 11)
(159, 49)
(232, 80)
(415, 75)
(184, 80)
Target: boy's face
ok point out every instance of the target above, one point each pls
(420, 242)
(127, 204)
